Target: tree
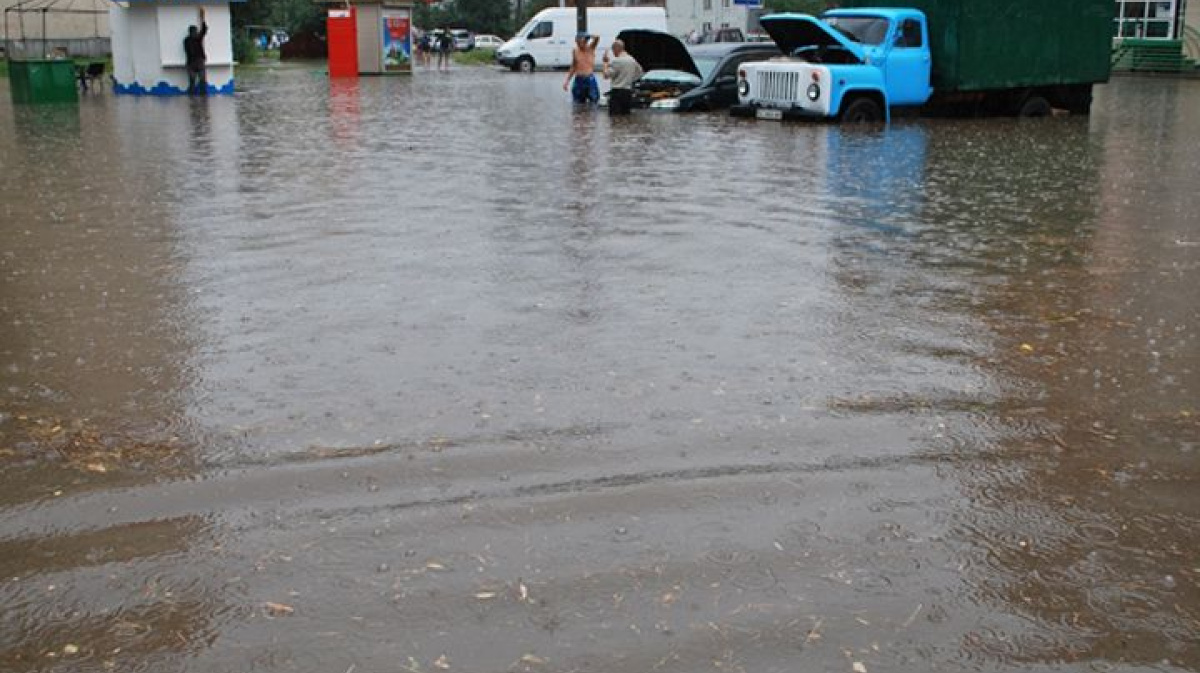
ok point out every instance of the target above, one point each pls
(480, 16)
(294, 16)
(484, 16)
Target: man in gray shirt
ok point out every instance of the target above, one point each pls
(623, 70)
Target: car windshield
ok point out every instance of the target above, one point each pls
(862, 29)
(705, 64)
(671, 76)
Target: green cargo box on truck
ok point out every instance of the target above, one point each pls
(981, 57)
(1009, 45)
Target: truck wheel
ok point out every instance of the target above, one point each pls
(524, 64)
(1035, 106)
(1078, 99)
(862, 110)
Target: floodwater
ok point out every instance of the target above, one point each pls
(436, 374)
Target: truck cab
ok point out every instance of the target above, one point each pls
(849, 64)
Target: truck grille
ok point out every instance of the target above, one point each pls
(778, 87)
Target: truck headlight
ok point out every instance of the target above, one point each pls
(814, 91)
(743, 87)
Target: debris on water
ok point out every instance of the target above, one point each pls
(815, 632)
(278, 609)
(70, 648)
(485, 595)
(532, 659)
(81, 446)
(522, 592)
(858, 667)
(435, 566)
(916, 611)
(442, 663)
(383, 567)
(1026, 348)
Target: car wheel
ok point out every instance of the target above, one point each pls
(862, 110)
(1035, 106)
(524, 64)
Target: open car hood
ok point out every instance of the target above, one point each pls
(793, 31)
(655, 50)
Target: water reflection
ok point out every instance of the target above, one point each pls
(535, 385)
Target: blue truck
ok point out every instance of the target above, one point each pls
(967, 57)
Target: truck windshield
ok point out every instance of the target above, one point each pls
(861, 29)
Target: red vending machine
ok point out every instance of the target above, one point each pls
(342, 35)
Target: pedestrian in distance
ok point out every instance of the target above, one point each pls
(583, 69)
(622, 70)
(445, 43)
(195, 59)
(424, 46)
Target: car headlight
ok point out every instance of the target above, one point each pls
(665, 104)
(743, 87)
(814, 91)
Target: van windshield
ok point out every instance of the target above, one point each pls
(526, 28)
(862, 29)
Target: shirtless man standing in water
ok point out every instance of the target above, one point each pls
(583, 68)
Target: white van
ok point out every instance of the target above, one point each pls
(547, 40)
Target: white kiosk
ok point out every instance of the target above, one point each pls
(147, 46)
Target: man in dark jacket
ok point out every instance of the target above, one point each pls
(193, 50)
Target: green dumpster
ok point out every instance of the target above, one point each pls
(43, 81)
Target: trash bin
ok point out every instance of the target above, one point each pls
(43, 81)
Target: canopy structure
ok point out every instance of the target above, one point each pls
(26, 23)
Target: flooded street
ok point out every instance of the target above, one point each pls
(436, 374)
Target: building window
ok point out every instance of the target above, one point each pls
(708, 5)
(1149, 19)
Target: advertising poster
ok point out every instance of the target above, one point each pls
(397, 42)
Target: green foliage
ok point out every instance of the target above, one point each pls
(531, 7)
(294, 16)
(245, 51)
(478, 16)
(475, 57)
(796, 6)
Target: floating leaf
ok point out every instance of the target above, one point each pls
(278, 609)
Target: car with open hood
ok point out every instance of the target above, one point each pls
(695, 77)
(831, 68)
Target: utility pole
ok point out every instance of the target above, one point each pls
(580, 16)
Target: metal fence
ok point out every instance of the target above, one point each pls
(91, 47)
